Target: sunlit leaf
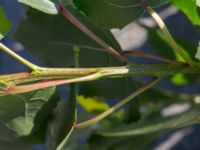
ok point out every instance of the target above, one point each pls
(189, 8)
(92, 104)
(46, 6)
(179, 79)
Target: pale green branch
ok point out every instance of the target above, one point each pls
(19, 58)
(117, 106)
(61, 146)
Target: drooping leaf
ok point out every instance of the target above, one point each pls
(189, 8)
(114, 13)
(5, 24)
(46, 6)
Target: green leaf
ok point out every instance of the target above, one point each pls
(113, 13)
(46, 6)
(22, 115)
(98, 142)
(132, 111)
(5, 24)
(22, 143)
(158, 43)
(179, 79)
(123, 136)
(157, 3)
(63, 120)
(152, 126)
(189, 8)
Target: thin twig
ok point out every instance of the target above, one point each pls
(118, 105)
(167, 34)
(18, 58)
(62, 145)
(149, 56)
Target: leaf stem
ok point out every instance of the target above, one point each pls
(168, 36)
(118, 105)
(61, 146)
(149, 56)
(19, 58)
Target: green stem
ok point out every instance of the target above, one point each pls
(61, 146)
(58, 76)
(169, 37)
(129, 70)
(141, 54)
(19, 58)
(77, 64)
(117, 106)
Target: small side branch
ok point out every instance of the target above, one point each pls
(169, 37)
(19, 58)
(149, 56)
(117, 106)
(167, 34)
